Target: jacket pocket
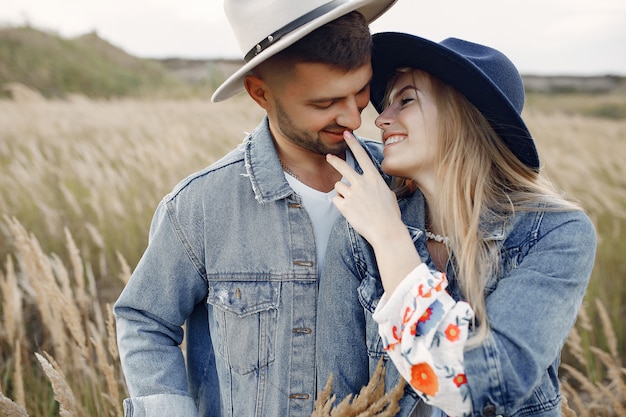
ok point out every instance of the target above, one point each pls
(243, 322)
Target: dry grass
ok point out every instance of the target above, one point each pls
(596, 383)
(99, 168)
(80, 181)
(62, 315)
(372, 401)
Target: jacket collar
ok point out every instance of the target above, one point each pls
(264, 169)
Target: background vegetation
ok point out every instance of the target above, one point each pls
(84, 161)
(88, 65)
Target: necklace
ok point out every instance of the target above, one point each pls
(438, 238)
(288, 171)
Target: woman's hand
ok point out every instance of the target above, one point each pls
(366, 202)
(372, 210)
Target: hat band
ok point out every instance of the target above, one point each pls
(313, 14)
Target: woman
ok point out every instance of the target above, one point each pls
(485, 266)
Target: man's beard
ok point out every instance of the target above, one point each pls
(304, 139)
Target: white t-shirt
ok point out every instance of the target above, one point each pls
(321, 210)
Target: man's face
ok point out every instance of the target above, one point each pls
(315, 104)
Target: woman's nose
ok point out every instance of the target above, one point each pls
(384, 119)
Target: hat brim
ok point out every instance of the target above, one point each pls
(397, 50)
(371, 9)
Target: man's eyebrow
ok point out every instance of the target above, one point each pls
(326, 99)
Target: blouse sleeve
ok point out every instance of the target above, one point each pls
(424, 332)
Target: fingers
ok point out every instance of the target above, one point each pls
(359, 153)
(342, 189)
(341, 166)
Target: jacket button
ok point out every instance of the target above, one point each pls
(299, 396)
(489, 410)
(302, 330)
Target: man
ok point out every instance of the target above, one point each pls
(236, 250)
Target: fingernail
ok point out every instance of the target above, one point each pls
(347, 134)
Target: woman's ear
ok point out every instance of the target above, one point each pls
(257, 89)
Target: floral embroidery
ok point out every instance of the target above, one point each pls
(434, 286)
(426, 315)
(408, 312)
(430, 318)
(424, 379)
(390, 345)
(394, 333)
(453, 332)
(459, 380)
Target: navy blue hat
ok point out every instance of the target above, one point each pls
(485, 76)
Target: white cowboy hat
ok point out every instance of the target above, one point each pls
(265, 27)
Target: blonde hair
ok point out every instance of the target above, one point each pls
(481, 182)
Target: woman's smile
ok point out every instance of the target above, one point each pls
(394, 139)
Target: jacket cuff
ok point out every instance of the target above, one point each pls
(484, 379)
(159, 405)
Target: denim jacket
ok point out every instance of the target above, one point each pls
(532, 304)
(232, 256)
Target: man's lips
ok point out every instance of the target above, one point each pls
(338, 134)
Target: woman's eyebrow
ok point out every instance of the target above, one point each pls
(399, 92)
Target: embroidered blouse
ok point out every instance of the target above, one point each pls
(424, 332)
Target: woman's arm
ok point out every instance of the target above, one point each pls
(372, 210)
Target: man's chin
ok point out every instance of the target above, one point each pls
(338, 150)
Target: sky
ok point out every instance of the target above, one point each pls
(542, 37)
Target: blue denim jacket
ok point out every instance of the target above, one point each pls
(532, 304)
(232, 255)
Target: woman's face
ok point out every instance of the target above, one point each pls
(410, 129)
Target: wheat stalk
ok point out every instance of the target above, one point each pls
(573, 394)
(12, 303)
(125, 270)
(62, 392)
(607, 330)
(18, 375)
(109, 373)
(566, 411)
(111, 335)
(78, 270)
(10, 409)
(37, 270)
(370, 402)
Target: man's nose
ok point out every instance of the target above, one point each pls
(350, 115)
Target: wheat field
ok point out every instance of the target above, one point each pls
(80, 180)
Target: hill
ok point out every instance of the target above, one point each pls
(86, 65)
